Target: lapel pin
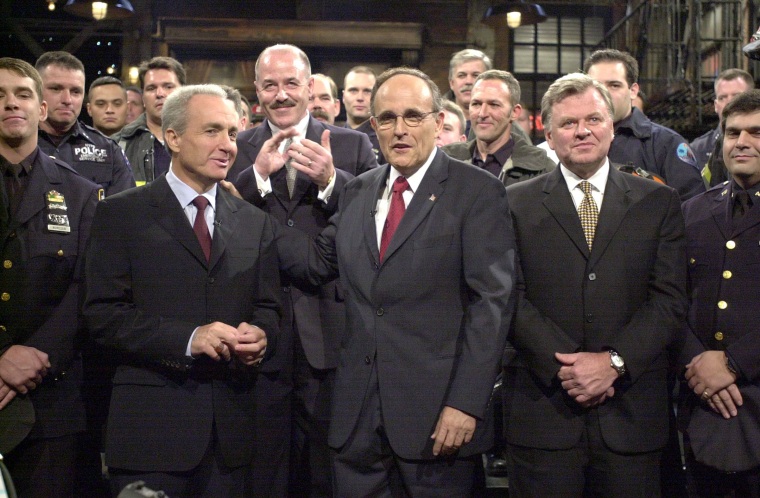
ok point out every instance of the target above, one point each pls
(724, 192)
(432, 197)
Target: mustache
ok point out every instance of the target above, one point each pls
(319, 113)
(467, 87)
(285, 103)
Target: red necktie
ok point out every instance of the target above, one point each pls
(200, 227)
(395, 213)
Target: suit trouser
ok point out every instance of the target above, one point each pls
(708, 482)
(588, 469)
(367, 465)
(43, 468)
(310, 472)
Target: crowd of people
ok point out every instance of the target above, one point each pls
(216, 305)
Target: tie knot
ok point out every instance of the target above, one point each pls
(400, 185)
(200, 202)
(585, 187)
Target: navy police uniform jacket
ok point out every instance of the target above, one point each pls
(92, 155)
(42, 270)
(659, 150)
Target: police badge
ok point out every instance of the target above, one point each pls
(58, 220)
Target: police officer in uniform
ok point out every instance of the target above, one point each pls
(89, 152)
(722, 352)
(638, 141)
(46, 209)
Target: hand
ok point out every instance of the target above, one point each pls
(707, 373)
(313, 159)
(6, 394)
(270, 159)
(215, 340)
(598, 400)
(726, 401)
(23, 367)
(454, 429)
(229, 187)
(251, 344)
(587, 376)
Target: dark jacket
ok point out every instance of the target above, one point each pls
(137, 142)
(526, 162)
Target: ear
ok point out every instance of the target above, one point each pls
(89, 111)
(548, 137)
(337, 107)
(439, 122)
(516, 112)
(172, 140)
(43, 110)
(634, 90)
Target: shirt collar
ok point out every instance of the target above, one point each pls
(753, 191)
(184, 193)
(300, 127)
(598, 180)
(501, 155)
(26, 163)
(635, 123)
(415, 179)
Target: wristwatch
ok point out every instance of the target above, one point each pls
(616, 362)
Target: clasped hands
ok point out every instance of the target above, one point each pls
(21, 370)
(309, 157)
(710, 379)
(217, 340)
(587, 377)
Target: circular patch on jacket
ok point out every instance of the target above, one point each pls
(686, 155)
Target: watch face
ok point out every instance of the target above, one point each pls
(617, 361)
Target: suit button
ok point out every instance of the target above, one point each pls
(291, 223)
(692, 261)
(12, 235)
(7, 264)
(730, 244)
(592, 276)
(2, 328)
(60, 252)
(367, 361)
(286, 289)
(727, 274)
(5, 296)
(589, 317)
(722, 305)
(380, 311)
(211, 280)
(718, 336)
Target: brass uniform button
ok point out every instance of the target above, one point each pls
(3, 329)
(692, 261)
(722, 305)
(5, 296)
(727, 274)
(730, 244)
(7, 264)
(60, 252)
(718, 336)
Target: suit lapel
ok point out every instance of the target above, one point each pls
(614, 207)
(170, 215)
(225, 225)
(560, 204)
(721, 212)
(424, 199)
(370, 227)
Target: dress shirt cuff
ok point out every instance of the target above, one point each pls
(188, 351)
(264, 186)
(324, 195)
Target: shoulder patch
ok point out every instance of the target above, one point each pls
(685, 154)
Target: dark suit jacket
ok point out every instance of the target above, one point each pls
(729, 445)
(433, 316)
(41, 276)
(628, 294)
(149, 287)
(317, 310)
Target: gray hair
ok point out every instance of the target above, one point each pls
(234, 96)
(390, 73)
(567, 86)
(174, 112)
(467, 55)
(506, 77)
(284, 47)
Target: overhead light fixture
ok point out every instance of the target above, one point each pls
(51, 5)
(514, 14)
(99, 10)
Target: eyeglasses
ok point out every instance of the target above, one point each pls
(411, 118)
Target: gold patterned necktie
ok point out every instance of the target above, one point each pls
(588, 213)
(290, 171)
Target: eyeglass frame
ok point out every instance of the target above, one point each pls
(392, 121)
